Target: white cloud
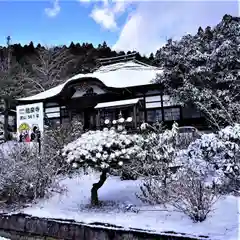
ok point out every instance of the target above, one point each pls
(106, 15)
(55, 10)
(152, 23)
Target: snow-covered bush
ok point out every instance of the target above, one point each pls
(157, 159)
(230, 133)
(186, 136)
(215, 157)
(142, 166)
(56, 137)
(2, 140)
(189, 179)
(63, 134)
(25, 174)
(191, 195)
(102, 150)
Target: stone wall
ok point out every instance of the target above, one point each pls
(21, 226)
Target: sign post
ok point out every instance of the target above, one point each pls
(30, 125)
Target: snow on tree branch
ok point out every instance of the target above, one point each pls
(102, 149)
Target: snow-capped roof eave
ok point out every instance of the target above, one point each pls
(118, 103)
(105, 69)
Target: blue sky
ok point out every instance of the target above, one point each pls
(127, 25)
(27, 20)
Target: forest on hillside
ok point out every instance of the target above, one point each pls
(26, 70)
(204, 70)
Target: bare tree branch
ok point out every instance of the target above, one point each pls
(49, 67)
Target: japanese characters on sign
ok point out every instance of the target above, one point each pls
(29, 121)
(29, 113)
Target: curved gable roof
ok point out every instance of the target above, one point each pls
(118, 75)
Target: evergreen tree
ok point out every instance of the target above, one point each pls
(204, 70)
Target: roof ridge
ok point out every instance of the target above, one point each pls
(121, 65)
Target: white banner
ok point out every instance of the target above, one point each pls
(30, 122)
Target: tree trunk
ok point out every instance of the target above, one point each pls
(96, 186)
(6, 134)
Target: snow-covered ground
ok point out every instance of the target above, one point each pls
(2, 238)
(223, 222)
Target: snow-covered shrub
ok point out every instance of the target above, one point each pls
(182, 181)
(191, 195)
(2, 140)
(186, 136)
(55, 138)
(230, 133)
(142, 165)
(215, 157)
(63, 134)
(153, 191)
(157, 160)
(200, 170)
(25, 174)
(232, 167)
(102, 150)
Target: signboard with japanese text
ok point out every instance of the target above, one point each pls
(30, 122)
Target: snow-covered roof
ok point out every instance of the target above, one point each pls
(118, 75)
(118, 103)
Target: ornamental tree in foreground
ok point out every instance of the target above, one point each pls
(102, 150)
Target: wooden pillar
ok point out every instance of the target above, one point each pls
(98, 119)
(135, 116)
(60, 117)
(70, 114)
(163, 118)
(144, 107)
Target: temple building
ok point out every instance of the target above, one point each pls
(117, 86)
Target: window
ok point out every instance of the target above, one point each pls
(52, 112)
(190, 112)
(171, 114)
(64, 112)
(153, 105)
(154, 115)
(153, 101)
(110, 115)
